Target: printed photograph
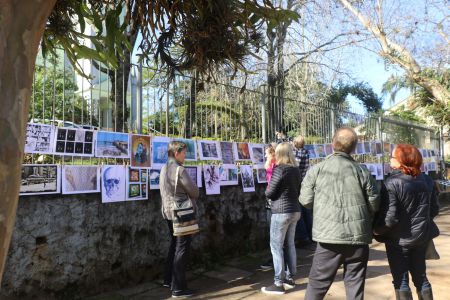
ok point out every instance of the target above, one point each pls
(135, 191)
(311, 151)
(40, 179)
(248, 182)
(379, 172)
(136, 178)
(144, 191)
(159, 151)
(359, 148)
(74, 142)
(112, 144)
(367, 147)
(386, 147)
(320, 150)
(212, 180)
(257, 153)
(261, 175)
(328, 149)
(144, 176)
(39, 138)
(113, 183)
(191, 150)
(140, 151)
(192, 172)
(227, 152)
(153, 178)
(80, 179)
(241, 151)
(209, 150)
(134, 175)
(228, 175)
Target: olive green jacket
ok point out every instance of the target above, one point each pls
(344, 199)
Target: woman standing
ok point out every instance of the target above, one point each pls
(283, 191)
(405, 224)
(177, 189)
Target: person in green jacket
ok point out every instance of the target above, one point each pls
(344, 199)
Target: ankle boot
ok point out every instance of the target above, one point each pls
(425, 294)
(403, 295)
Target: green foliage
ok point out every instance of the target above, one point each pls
(407, 115)
(362, 91)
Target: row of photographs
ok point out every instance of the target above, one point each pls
(126, 183)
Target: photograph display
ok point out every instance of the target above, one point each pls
(209, 150)
(74, 142)
(328, 149)
(228, 175)
(376, 148)
(140, 151)
(113, 183)
(80, 179)
(112, 144)
(160, 146)
(248, 182)
(191, 150)
(226, 148)
(359, 148)
(195, 172)
(261, 175)
(137, 183)
(241, 151)
(257, 153)
(212, 179)
(320, 150)
(153, 178)
(40, 179)
(39, 138)
(311, 151)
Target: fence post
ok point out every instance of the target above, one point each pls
(139, 98)
(332, 117)
(167, 107)
(263, 115)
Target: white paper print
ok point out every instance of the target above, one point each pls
(241, 151)
(257, 153)
(74, 142)
(209, 150)
(80, 179)
(228, 175)
(112, 144)
(261, 175)
(137, 183)
(160, 151)
(212, 179)
(153, 178)
(40, 179)
(39, 138)
(113, 183)
(248, 183)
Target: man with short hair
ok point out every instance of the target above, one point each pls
(345, 199)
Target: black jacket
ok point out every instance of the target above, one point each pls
(408, 206)
(284, 189)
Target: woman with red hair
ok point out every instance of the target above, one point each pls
(405, 223)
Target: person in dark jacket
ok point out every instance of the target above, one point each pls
(405, 224)
(283, 191)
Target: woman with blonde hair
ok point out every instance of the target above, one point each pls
(283, 191)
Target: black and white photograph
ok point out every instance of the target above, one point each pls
(74, 142)
(40, 179)
(212, 179)
(113, 183)
(80, 179)
(248, 182)
(39, 138)
(209, 150)
(257, 153)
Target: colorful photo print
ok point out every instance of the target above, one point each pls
(112, 144)
(113, 183)
(209, 150)
(311, 151)
(136, 178)
(320, 150)
(261, 175)
(227, 152)
(359, 148)
(191, 150)
(228, 175)
(40, 179)
(386, 147)
(257, 153)
(241, 151)
(376, 148)
(134, 175)
(159, 151)
(212, 180)
(39, 138)
(154, 178)
(144, 175)
(80, 179)
(248, 182)
(140, 151)
(144, 191)
(134, 191)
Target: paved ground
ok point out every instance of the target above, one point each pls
(241, 278)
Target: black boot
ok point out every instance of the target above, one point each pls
(425, 294)
(403, 295)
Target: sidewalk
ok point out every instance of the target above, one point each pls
(241, 278)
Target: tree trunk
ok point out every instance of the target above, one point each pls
(190, 119)
(22, 25)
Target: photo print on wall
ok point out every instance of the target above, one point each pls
(140, 151)
(39, 138)
(212, 179)
(160, 145)
(74, 142)
(137, 183)
(191, 150)
(248, 182)
(261, 174)
(112, 144)
(328, 149)
(80, 179)
(209, 150)
(113, 183)
(153, 178)
(320, 151)
(241, 151)
(257, 153)
(228, 175)
(311, 151)
(226, 148)
(40, 179)
(195, 172)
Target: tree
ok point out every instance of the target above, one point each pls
(396, 43)
(228, 39)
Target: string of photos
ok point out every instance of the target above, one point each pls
(220, 161)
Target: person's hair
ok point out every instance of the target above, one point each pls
(345, 140)
(271, 151)
(409, 157)
(299, 141)
(284, 155)
(174, 147)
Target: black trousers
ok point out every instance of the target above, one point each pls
(408, 260)
(177, 258)
(326, 261)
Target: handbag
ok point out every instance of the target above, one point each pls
(184, 218)
(430, 252)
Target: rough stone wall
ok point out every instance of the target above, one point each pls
(73, 245)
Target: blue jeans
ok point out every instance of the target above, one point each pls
(282, 233)
(407, 260)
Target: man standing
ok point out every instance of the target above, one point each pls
(345, 199)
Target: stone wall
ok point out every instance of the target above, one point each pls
(69, 246)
